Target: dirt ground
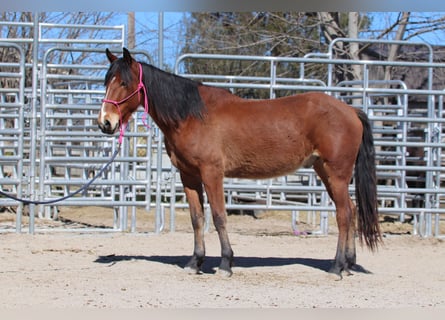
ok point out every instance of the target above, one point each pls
(274, 268)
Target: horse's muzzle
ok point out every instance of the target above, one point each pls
(107, 128)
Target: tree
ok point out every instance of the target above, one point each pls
(22, 31)
(250, 33)
(289, 34)
(295, 34)
(336, 25)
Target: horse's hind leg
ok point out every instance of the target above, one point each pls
(337, 182)
(194, 193)
(351, 257)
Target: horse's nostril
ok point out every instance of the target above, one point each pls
(106, 127)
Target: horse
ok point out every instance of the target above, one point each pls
(210, 133)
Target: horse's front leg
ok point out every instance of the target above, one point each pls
(194, 193)
(213, 184)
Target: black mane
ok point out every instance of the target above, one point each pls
(173, 98)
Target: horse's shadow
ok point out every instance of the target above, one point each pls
(212, 262)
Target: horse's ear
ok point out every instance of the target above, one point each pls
(127, 56)
(111, 57)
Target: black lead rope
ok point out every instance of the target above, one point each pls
(70, 195)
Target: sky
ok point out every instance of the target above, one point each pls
(147, 26)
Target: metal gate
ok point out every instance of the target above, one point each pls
(12, 124)
(72, 148)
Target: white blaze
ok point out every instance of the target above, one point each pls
(102, 110)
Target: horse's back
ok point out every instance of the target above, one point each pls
(291, 119)
(320, 105)
(307, 105)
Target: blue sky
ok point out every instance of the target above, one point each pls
(147, 26)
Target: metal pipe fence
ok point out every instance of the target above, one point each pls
(12, 132)
(72, 148)
(69, 148)
(398, 170)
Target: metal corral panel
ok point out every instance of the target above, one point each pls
(69, 148)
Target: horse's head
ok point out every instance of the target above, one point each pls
(123, 83)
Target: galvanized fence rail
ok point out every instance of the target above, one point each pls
(12, 156)
(72, 148)
(409, 141)
(32, 117)
(68, 148)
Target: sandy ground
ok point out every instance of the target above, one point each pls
(273, 268)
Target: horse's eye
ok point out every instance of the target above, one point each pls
(123, 84)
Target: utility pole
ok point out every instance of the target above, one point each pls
(131, 36)
(161, 39)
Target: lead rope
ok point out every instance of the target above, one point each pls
(146, 108)
(72, 194)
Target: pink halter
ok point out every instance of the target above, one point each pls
(117, 103)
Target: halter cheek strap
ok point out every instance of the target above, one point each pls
(140, 87)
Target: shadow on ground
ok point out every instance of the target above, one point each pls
(211, 263)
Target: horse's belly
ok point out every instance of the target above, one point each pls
(270, 166)
(258, 173)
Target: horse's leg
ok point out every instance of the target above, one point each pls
(344, 222)
(351, 257)
(213, 184)
(336, 182)
(194, 193)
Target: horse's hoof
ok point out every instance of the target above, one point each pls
(224, 273)
(347, 272)
(191, 270)
(335, 276)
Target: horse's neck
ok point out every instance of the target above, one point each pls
(166, 128)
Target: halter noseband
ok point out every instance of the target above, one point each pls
(140, 87)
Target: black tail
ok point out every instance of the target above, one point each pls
(366, 187)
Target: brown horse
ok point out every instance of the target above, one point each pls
(211, 134)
